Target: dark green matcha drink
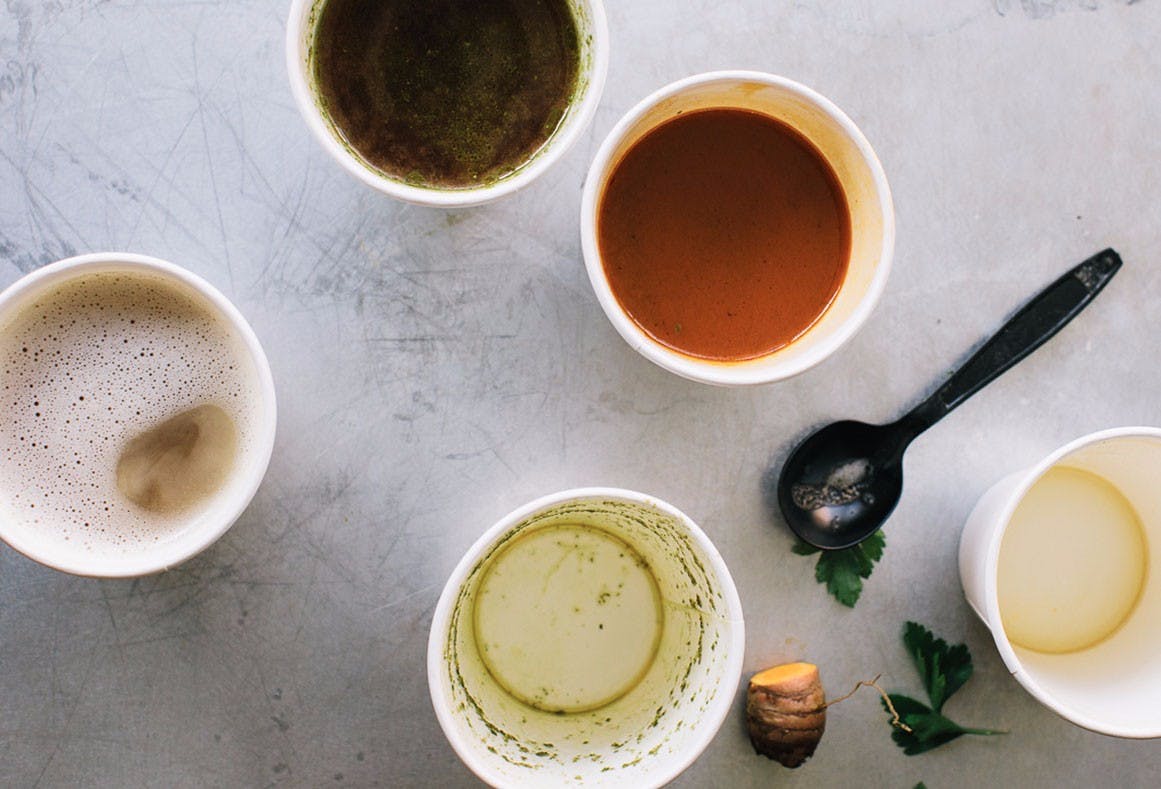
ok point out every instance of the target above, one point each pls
(445, 93)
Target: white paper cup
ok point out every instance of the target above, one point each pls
(593, 33)
(849, 155)
(214, 518)
(647, 736)
(1113, 687)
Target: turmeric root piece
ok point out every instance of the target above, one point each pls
(786, 712)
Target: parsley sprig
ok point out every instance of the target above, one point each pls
(943, 670)
(843, 571)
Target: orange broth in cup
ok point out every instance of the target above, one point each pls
(724, 234)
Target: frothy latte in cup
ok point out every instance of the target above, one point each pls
(133, 411)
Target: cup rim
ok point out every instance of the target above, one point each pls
(714, 715)
(746, 372)
(991, 597)
(553, 149)
(136, 566)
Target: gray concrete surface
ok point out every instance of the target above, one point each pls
(436, 370)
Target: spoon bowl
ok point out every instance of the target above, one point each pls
(841, 484)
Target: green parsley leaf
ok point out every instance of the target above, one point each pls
(929, 729)
(943, 669)
(843, 571)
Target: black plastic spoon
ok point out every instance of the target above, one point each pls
(840, 485)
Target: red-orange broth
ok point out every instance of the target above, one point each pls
(724, 234)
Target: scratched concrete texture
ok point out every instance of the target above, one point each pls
(437, 369)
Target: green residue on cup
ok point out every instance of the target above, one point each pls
(651, 718)
(465, 94)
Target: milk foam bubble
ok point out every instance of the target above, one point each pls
(86, 367)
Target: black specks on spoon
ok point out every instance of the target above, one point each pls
(840, 484)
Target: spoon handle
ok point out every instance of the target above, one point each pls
(1027, 330)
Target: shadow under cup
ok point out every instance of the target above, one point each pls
(652, 732)
(1114, 686)
(853, 163)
